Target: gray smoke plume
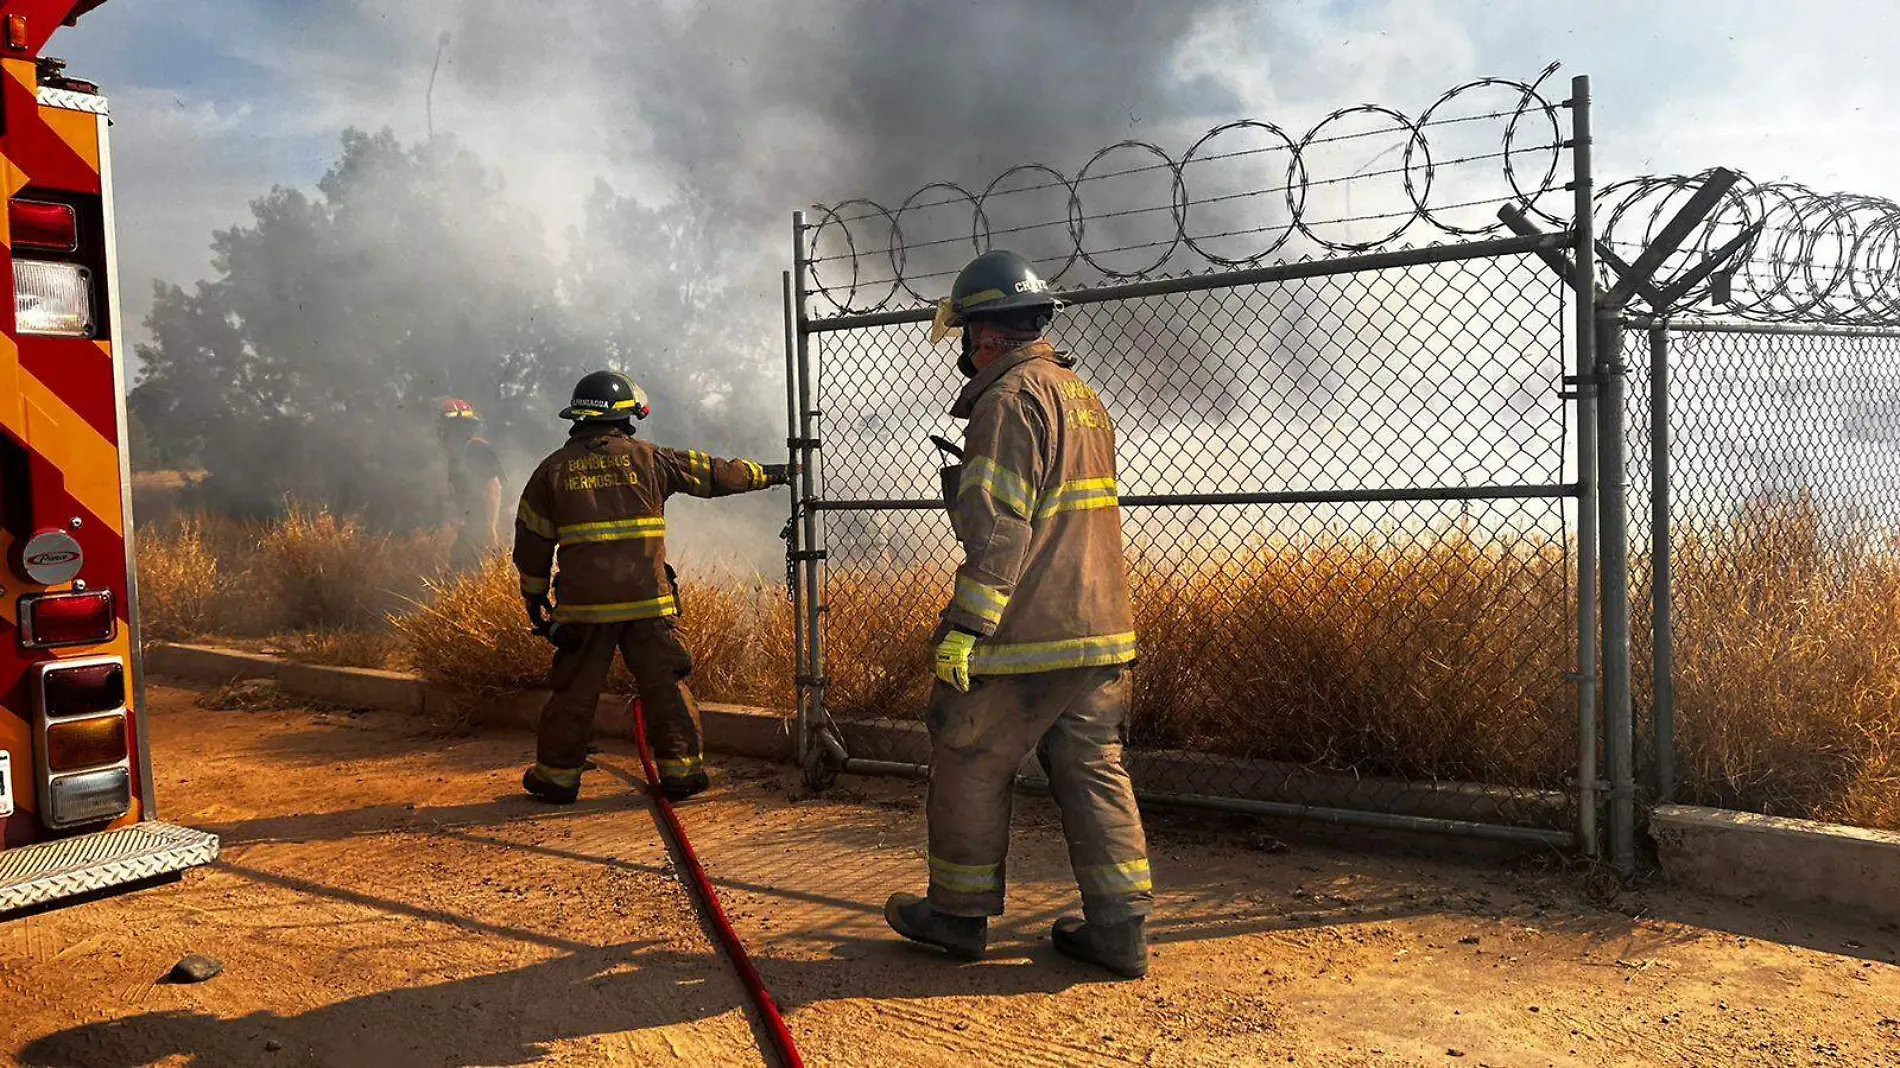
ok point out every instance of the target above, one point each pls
(336, 316)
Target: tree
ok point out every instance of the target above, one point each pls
(309, 365)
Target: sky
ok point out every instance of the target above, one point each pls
(775, 107)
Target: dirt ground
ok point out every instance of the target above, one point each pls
(386, 897)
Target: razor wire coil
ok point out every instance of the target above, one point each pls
(850, 238)
(1817, 258)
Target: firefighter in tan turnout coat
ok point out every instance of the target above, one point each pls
(1034, 649)
(598, 504)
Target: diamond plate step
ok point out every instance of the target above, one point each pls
(36, 874)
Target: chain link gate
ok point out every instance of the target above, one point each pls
(1363, 558)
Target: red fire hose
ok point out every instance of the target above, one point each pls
(775, 1028)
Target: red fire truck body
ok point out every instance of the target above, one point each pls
(76, 805)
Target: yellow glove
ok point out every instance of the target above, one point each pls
(953, 658)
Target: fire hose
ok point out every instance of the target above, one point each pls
(708, 899)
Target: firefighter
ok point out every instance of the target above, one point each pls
(1034, 649)
(599, 502)
(475, 478)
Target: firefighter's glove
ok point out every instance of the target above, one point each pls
(780, 474)
(540, 611)
(953, 658)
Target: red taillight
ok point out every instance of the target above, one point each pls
(76, 744)
(16, 33)
(38, 224)
(67, 619)
(84, 689)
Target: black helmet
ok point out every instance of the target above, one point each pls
(996, 283)
(605, 396)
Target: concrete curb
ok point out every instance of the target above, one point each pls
(1178, 771)
(738, 730)
(1786, 861)
(767, 734)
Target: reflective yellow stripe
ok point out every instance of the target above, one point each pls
(983, 602)
(1022, 658)
(1079, 495)
(981, 297)
(758, 474)
(612, 530)
(1128, 877)
(698, 473)
(559, 776)
(532, 585)
(673, 769)
(1000, 482)
(532, 520)
(965, 878)
(619, 612)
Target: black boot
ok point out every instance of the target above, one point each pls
(684, 787)
(547, 789)
(1122, 948)
(963, 937)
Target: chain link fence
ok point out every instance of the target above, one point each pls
(1362, 440)
(1346, 460)
(1768, 555)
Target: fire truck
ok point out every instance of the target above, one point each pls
(76, 809)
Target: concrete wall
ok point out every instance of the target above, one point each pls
(1799, 863)
(740, 730)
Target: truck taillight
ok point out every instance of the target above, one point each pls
(78, 744)
(56, 619)
(52, 299)
(83, 751)
(40, 224)
(88, 797)
(83, 689)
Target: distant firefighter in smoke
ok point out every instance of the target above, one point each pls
(1033, 651)
(475, 478)
(598, 506)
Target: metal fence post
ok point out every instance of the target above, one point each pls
(1662, 609)
(1585, 286)
(1613, 527)
(794, 542)
(812, 678)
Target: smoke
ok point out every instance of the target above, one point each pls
(604, 189)
(611, 186)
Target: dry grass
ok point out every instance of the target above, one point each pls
(327, 572)
(381, 648)
(470, 633)
(1433, 654)
(1788, 679)
(1442, 658)
(182, 584)
(313, 578)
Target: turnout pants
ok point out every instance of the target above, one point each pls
(1076, 721)
(659, 663)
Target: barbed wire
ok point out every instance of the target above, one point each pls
(861, 258)
(1826, 258)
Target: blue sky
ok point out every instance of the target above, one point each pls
(216, 100)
